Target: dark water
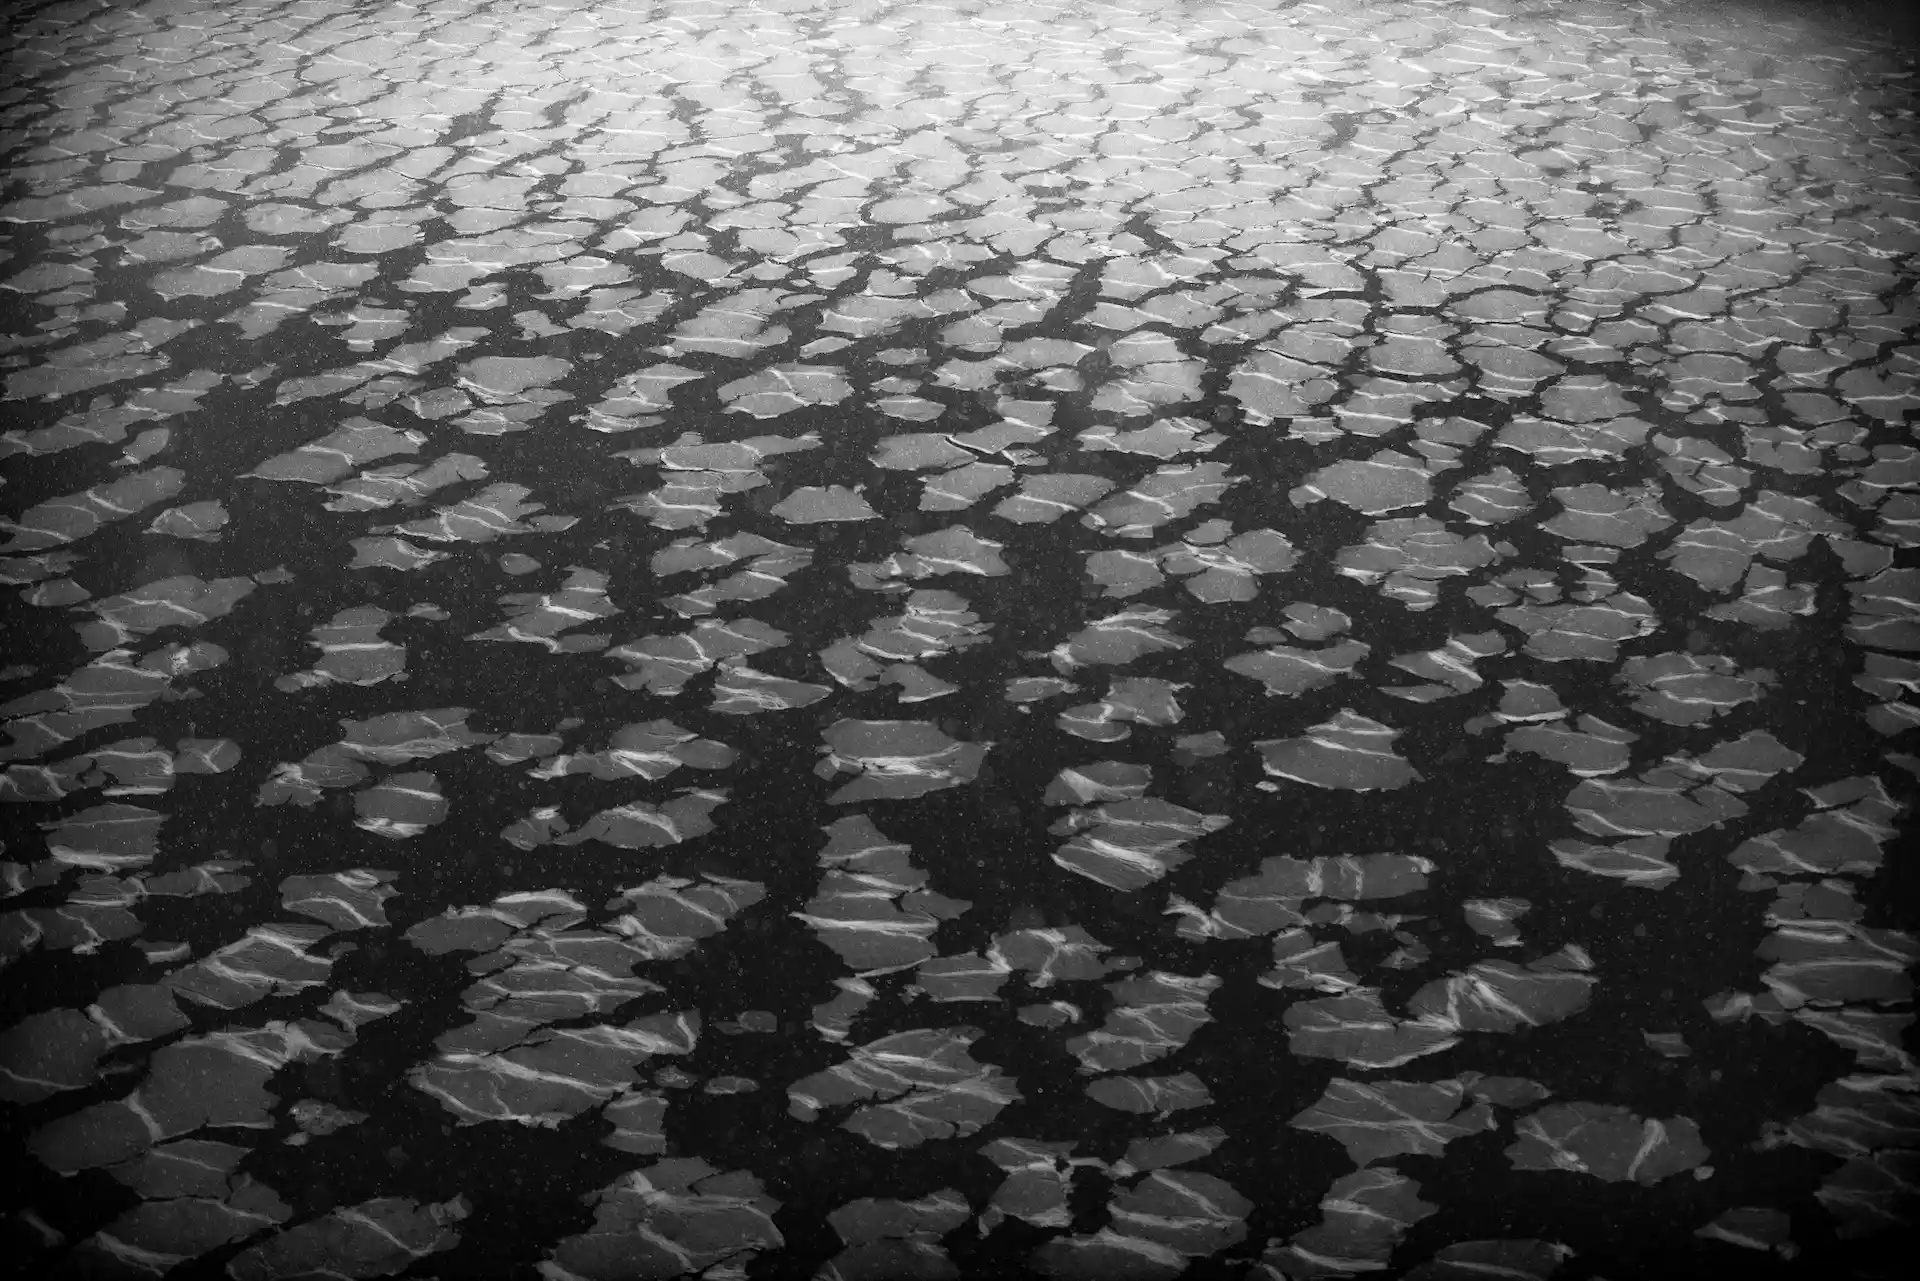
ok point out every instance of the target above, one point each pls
(956, 640)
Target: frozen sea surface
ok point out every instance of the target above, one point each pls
(958, 640)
